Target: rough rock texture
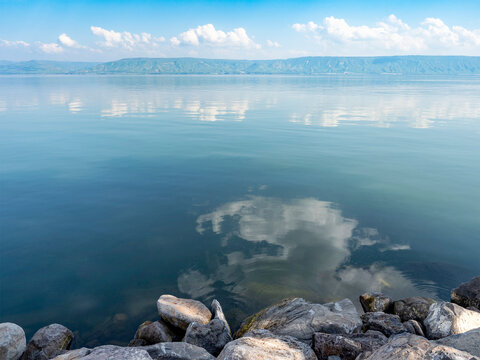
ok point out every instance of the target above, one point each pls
(212, 337)
(467, 294)
(300, 319)
(346, 347)
(376, 302)
(445, 319)
(182, 312)
(48, 342)
(411, 347)
(150, 333)
(177, 351)
(472, 308)
(73, 354)
(218, 313)
(387, 324)
(112, 352)
(468, 342)
(414, 308)
(12, 341)
(414, 327)
(263, 345)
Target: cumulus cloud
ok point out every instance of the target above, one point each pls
(208, 35)
(432, 36)
(67, 41)
(125, 40)
(51, 48)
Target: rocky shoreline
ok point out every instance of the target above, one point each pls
(405, 329)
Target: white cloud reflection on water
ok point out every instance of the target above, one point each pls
(298, 247)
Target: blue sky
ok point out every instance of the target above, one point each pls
(108, 30)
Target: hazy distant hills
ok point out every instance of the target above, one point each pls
(407, 65)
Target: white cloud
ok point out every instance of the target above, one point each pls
(51, 48)
(67, 41)
(432, 36)
(274, 44)
(126, 40)
(208, 35)
(18, 43)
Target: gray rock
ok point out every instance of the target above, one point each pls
(73, 354)
(411, 347)
(112, 352)
(263, 345)
(445, 319)
(346, 347)
(467, 294)
(414, 308)
(472, 308)
(468, 342)
(12, 341)
(414, 327)
(372, 302)
(212, 337)
(150, 333)
(218, 313)
(387, 324)
(177, 351)
(48, 342)
(300, 319)
(181, 312)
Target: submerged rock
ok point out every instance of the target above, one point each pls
(468, 341)
(445, 319)
(467, 294)
(413, 308)
(212, 336)
(12, 341)
(48, 342)
(150, 333)
(410, 347)
(182, 312)
(301, 319)
(177, 351)
(388, 324)
(372, 302)
(346, 347)
(262, 345)
(414, 327)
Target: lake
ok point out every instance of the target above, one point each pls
(248, 189)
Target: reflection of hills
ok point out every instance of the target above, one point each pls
(272, 249)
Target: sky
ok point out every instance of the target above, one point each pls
(109, 30)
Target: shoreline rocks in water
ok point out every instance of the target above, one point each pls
(405, 329)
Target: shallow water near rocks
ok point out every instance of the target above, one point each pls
(248, 189)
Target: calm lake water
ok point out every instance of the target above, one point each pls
(115, 190)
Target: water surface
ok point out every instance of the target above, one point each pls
(115, 190)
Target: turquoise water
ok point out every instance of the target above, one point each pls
(115, 190)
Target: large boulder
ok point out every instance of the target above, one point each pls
(411, 347)
(212, 336)
(346, 347)
(12, 341)
(181, 312)
(414, 308)
(373, 302)
(387, 324)
(150, 333)
(112, 352)
(177, 351)
(300, 319)
(48, 342)
(262, 345)
(467, 294)
(73, 354)
(445, 319)
(468, 342)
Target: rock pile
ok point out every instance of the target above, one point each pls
(405, 329)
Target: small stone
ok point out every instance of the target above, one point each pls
(468, 342)
(413, 308)
(151, 333)
(48, 342)
(445, 319)
(414, 327)
(346, 347)
(262, 345)
(301, 319)
(12, 341)
(177, 351)
(467, 294)
(388, 324)
(212, 337)
(181, 312)
(218, 313)
(372, 302)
